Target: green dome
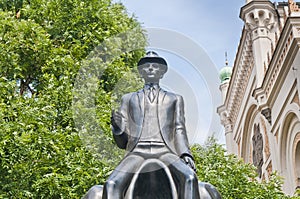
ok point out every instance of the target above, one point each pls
(225, 73)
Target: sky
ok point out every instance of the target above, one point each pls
(214, 25)
(193, 36)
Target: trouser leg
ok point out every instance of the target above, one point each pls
(184, 177)
(116, 184)
(119, 180)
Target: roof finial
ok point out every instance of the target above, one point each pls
(226, 61)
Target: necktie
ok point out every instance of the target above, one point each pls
(151, 94)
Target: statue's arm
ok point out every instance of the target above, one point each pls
(119, 123)
(181, 140)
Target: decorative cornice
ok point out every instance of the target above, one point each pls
(278, 66)
(256, 14)
(288, 41)
(239, 80)
(289, 38)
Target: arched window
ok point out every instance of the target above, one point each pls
(290, 152)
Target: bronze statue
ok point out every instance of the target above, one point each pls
(150, 125)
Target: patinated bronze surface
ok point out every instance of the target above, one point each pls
(150, 125)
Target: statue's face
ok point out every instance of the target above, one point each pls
(151, 72)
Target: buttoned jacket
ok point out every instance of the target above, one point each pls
(170, 109)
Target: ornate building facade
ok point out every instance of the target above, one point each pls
(261, 107)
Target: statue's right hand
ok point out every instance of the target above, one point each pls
(118, 120)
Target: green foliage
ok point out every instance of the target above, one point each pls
(297, 194)
(64, 65)
(39, 158)
(59, 58)
(231, 176)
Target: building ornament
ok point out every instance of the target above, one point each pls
(257, 154)
(293, 7)
(267, 114)
(264, 91)
(240, 78)
(259, 18)
(225, 120)
(257, 15)
(261, 98)
(279, 56)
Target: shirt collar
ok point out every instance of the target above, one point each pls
(147, 86)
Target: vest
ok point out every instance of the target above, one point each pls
(150, 130)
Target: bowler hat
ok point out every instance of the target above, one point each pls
(152, 57)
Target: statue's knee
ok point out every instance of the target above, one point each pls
(191, 178)
(94, 193)
(110, 184)
(207, 190)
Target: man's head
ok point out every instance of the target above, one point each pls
(152, 67)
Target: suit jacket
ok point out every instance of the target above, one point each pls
(170, 116)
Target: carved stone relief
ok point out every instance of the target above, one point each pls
(257, 142)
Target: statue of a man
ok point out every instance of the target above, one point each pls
(150, 123)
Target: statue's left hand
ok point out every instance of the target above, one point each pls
(189, 161)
